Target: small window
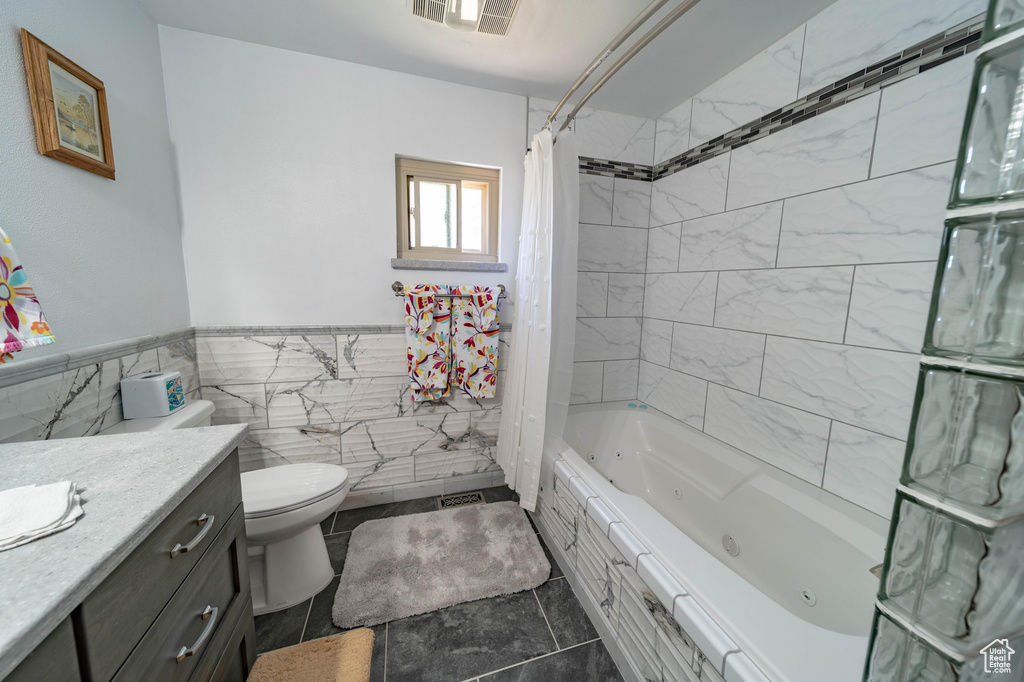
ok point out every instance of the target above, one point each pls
(447, 211)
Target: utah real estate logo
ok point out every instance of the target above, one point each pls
(997, 656)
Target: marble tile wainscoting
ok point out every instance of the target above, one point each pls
(794, 222)
(340, 395)
(79, 393)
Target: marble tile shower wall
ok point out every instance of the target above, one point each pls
(85, 400)
(787, 282)
(614, 214)
(343, 398)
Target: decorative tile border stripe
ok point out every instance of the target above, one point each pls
(300, 330)
(962, 39)
(311, 330)
(928, 54)
(20, 371)
(615, 169)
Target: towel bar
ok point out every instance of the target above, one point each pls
(398, 288)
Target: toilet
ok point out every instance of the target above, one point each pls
(284, 505)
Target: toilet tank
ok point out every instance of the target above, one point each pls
(194, 413)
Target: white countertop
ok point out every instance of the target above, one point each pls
(129, 484)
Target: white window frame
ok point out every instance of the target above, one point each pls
(412, 171)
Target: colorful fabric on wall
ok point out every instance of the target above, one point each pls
(475, 340)
(23, 323)
(428, 337)
(452, 342)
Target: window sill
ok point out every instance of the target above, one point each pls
(464, 265)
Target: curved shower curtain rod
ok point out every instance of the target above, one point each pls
(625, 33)
(640, 44)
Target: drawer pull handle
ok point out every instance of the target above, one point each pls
(206, 523)
(209, 613)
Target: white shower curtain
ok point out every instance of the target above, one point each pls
(535, 402)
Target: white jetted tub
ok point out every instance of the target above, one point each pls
(797, 597)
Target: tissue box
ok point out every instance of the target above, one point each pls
(152, 395)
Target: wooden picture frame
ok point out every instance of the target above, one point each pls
(69, 107)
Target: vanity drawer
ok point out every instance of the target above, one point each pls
(207, 603)
(120, 611)
(232, 652)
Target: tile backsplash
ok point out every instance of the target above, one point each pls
(86, 399)
(787, 280)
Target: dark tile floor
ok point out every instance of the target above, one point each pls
(542, 634)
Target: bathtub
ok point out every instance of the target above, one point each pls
(781, 566)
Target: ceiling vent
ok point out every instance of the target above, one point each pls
(429, 9)
(481, 16)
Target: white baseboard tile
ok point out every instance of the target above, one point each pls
(468, 482)
(368, 498)
(644, 633)
(604, 629)
(414, 491)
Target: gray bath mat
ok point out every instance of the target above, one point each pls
(407, 565)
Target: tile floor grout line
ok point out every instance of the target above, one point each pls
(546, 621)
(305, 623)
(531, 660)
(340, 532)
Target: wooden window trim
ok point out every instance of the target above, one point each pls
(429, 170)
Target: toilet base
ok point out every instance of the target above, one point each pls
(289, 571)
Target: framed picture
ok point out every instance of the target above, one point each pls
(69, 106)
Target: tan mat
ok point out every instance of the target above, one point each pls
(340, 658)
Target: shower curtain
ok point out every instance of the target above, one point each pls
(536, 398)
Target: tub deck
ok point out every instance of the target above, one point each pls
(679, 491)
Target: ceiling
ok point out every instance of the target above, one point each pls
(548, 44)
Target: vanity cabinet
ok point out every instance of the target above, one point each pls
(54, 660)
(177, 608)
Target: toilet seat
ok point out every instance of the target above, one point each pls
(276, 490)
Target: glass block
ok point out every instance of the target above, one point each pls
(977, 309)
(898, 656)
(966, 441)
(962, 584)
(956, 287)
(991, 161)
(1003, 16)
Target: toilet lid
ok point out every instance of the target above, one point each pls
(279, 489)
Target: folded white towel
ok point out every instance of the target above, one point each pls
(34, 511)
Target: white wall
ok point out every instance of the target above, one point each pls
(286, 165)
(104, 257)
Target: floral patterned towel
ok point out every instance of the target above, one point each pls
(23, 322)
(427, 333)
(475, 339)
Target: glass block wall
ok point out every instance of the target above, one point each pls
(950, 604)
